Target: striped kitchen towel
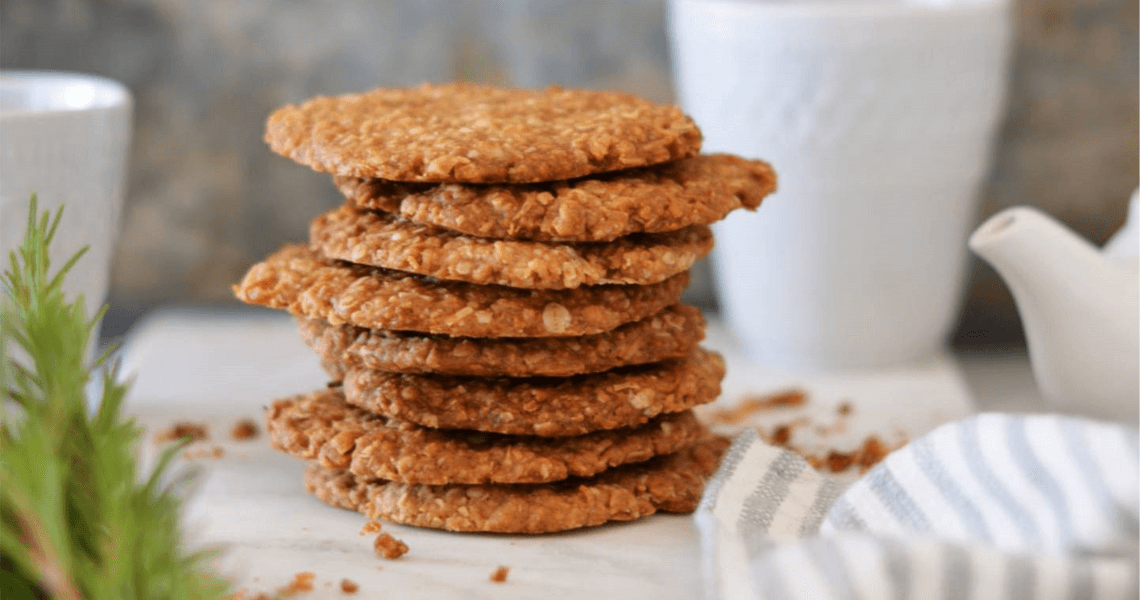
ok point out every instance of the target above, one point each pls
(994, 506)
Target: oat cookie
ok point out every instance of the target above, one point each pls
(698, 190)
(480, 134)
(671, 333)
(297, 279)
(383, 240)
(672, 483)
(320, 426)
(624, 397)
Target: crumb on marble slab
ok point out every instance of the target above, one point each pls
(195, 431)
(215, 452)
(500, 575)
(751, 404)
(245, 429)
(302, 582)
(371, 527)
(389, 547)
(348, 586)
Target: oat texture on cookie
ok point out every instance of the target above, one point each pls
(384, 240)
(322, 427)
(696, 191)
(480, 134)
(300, 280)
(671, 333)
(497, 305)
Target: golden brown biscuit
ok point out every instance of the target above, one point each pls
(672, 483)
(383, 240)
(698, 190)
(480, 134)
(320, 426)
(671, 333)
(297, 279)
(554, 406)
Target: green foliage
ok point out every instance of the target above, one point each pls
(76, 518)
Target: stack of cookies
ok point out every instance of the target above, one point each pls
(497, 305)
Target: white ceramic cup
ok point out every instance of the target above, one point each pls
(879, 118)
(65, 137)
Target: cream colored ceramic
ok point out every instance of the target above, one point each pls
(1080, 307)
(64, 136)
(879, 118)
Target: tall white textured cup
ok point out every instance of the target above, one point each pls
(879, 117)
(65, 137)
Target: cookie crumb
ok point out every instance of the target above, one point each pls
(195, 431)
(750, 405)
(215, 452)
(782, 435)
(348, 586)
(872, 451)
(389, 547)
(244, 429)
(302, 582)
(370, 528)
(835, 428)
(867, 455)
(844, 408)
(500, 575)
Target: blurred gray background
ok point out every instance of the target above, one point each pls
(206, 198)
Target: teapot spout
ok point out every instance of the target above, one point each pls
(1080, 312)
(1033, 251)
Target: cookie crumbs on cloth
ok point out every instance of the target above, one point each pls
(389, 547)
(348, 586)
(867, 455)
(296, 278)
(480, 134)
(500, 575)
(671, 333)
(195, 431)
(695, 191)
(870, 451)
(383, 240)
(244, 429)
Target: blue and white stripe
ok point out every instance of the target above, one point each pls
(995, 506)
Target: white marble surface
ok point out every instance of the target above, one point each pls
(219, 368)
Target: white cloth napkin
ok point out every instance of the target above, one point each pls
(993, 506)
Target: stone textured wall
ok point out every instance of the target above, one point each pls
(1069, 143)
(206, 198)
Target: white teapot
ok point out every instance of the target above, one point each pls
(1080, 307)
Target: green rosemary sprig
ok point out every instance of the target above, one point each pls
(76, 519)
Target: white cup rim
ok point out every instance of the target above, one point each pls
(827, 9)
(26, 93)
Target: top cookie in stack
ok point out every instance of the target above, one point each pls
(499, 296)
